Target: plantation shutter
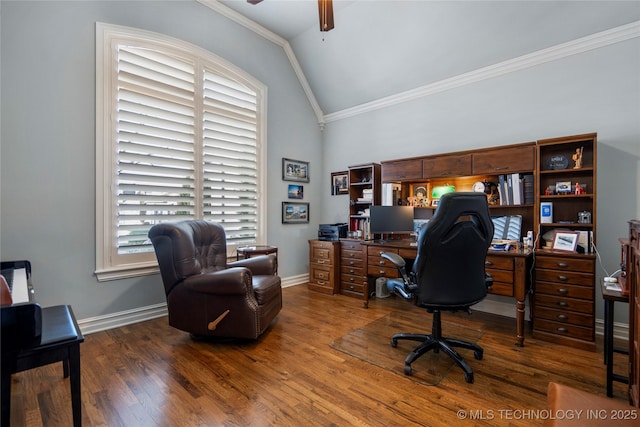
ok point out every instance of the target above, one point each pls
(230, 157)
(170, 166)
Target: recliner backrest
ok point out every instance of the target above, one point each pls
(452, 248)
(187, 248)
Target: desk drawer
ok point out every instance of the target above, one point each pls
(567, 277)
(350, 254)
(501, 288)
(499, 263)
(565, 329)
(564, 316)
(570, 264)
(352, 269)
(352, 288)
(561, 303)
(351, 245)
(375, 251)
(320, 274)
(380, 271)
(564, 290)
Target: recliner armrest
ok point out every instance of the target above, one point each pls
(261, 265)
(231, 281)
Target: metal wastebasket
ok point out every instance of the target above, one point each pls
(381, 288)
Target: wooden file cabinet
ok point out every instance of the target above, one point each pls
(632, 269)
(564, 309)
(324, 266)
(352, 272)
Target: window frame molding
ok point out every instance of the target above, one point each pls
(107, 34)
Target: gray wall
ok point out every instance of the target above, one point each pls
(596, 91)
(48, 140)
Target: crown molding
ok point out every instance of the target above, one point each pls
(276, 39)
(564, 50)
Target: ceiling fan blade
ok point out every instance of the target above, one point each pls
(325, 11)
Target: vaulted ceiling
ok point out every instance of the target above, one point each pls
(383, 48)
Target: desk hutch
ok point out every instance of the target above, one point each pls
(563, 283)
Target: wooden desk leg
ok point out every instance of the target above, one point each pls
(608, 344)
(519, 291)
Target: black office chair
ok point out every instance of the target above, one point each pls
(448, 273)
(33, 336)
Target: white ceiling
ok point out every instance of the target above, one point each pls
(380, 48)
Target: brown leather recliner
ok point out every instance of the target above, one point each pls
(206, 296)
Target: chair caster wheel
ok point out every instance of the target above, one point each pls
(478, 355)
(468, 377)
(407, 370)
(394, 343)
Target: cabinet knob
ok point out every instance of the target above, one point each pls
(562, 316)
(488, 263)
(562, 329)
(381, 272)
(562, 264)
(563, 291)
(381, 262)
(563, 278)
(562, 304)
(320, 261)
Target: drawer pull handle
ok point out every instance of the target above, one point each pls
(351, 263)
(562, 316)
(563, 264)
(351, 279)
(562, 330)
(488, 263)
(381, 272)
(563, 291)
(381, 253)
(564, 278)
(320, 282)
(381, 262)
(320, 261)
(351, 271)
(562, 304)
(351, 287)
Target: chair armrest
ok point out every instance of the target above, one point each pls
(261, 265)
(395, 259)
(231, 281)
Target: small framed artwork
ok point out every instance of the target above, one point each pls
(295, 191)
(565, 241)
(339, 183)
(563, 187)
(295, 170)
(295, 212)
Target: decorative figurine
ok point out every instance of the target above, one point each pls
(580, 189)
(578, 158)
(547, 191)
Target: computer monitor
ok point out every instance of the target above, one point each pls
(391, 219)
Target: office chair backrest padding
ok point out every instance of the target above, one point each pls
(452, 247)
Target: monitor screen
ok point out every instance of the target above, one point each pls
(391, 219)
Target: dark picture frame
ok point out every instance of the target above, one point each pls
(295, 170)
(295, 191)
(295, 212)
(565, 241)
(339, 183)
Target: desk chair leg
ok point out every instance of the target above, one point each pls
(73, 367)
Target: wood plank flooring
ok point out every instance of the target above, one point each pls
(149, 374)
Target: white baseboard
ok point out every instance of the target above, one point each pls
(123, 318)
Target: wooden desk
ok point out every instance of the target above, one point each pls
(510, 271)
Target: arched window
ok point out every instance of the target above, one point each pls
(179, 135)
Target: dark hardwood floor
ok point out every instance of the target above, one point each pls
(149, 374)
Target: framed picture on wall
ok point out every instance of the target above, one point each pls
(295, 170)
(295, 212)
(339, 183)
(295, 191)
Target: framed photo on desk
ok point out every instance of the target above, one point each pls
(565, 241)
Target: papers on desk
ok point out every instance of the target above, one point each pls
(612, 286)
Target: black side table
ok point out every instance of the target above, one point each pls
(610, 297)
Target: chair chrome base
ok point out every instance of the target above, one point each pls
(435, 341)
